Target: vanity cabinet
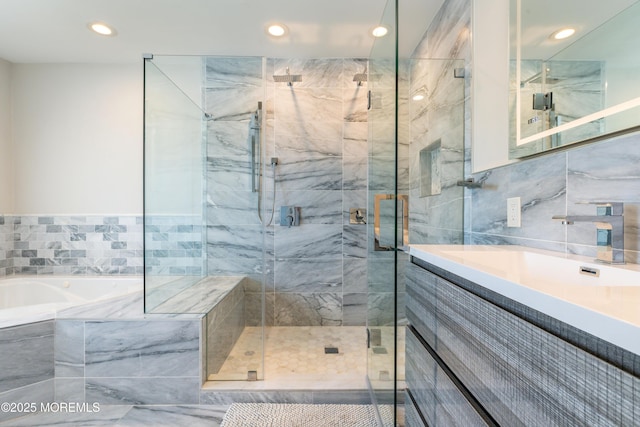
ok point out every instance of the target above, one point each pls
(475, 357)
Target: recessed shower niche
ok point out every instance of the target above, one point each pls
(430, 170)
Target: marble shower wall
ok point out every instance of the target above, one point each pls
(437, 126)
(318, 130)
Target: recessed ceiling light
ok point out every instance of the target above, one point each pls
(380, 31)
(102, 29)
(277, 30)
(563, 33)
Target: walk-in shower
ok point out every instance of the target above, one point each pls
(264, 146)
(292, 305)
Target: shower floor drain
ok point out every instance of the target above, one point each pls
(331, 350)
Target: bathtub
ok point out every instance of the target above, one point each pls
(26, 299)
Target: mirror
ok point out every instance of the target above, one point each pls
(573, 89)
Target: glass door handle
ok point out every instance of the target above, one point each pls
(377, 231)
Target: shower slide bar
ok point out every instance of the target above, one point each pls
(255, 127)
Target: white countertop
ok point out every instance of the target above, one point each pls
(607, 306)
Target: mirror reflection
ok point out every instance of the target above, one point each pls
(575, 68)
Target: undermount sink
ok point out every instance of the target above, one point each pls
(601, 299)
(527, 266)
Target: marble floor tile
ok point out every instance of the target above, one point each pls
(129, 416)
(107, 416)
(173, 416)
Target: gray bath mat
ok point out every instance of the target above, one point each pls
(303, 415)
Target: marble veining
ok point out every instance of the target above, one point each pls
(322, 173)
(33, 342)
(318, 129)
(232, 71)
(301, 275)
(141, 348)
(313, 241)
(556, 184)
(201, 297)
(314, 309)
(316, 206)
(143, 390)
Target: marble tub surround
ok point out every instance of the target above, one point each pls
(6, 244)
(556, 184)
(33, 381)
(113, 353)
(605, 306)
(173, 245)
(79, 244)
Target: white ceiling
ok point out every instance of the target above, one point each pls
(583, 15)
(54, 31)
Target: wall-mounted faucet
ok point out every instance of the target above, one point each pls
(609, 220)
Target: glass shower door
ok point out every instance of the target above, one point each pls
(417, 162)
(386, 184)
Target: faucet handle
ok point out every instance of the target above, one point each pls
(607, 208)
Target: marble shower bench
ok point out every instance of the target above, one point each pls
(154, 358)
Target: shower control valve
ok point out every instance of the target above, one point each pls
(289, 216)
(357, 216)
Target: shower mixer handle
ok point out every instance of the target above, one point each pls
(289, 216)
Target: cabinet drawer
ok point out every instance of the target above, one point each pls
(436, 396)
(521, 374)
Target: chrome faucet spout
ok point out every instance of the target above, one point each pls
(609, 230)
(613, 220)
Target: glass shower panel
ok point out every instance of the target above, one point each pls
(173, 187)
(205, 244)
(387, 161)
(233, 95)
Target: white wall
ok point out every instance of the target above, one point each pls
(6, 169)
(77, 138)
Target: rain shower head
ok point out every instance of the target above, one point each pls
(360, 77)
(288, 78)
